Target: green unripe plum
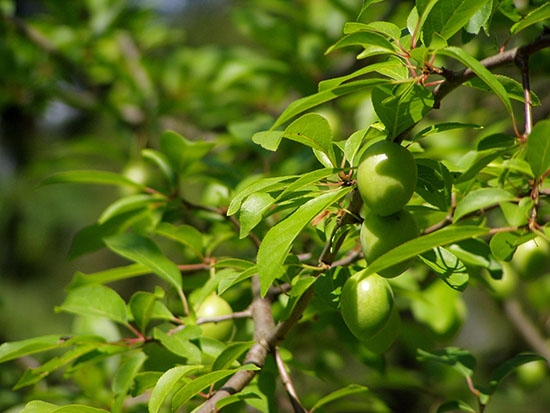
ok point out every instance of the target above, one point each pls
(215, 306)
(383, 340)
(532, 258)
(379, 234)
(507, 285)
(386, 177)
(533, 373)
(366, 304)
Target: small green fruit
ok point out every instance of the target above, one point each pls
(215, 306)
(533, 373)
(366, 304)
(383, 340)
(386, 177)
(381, 234)
(532, 258)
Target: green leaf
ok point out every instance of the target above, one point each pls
(448, 266)
(123, 380)
(434, 183)
(449, 16)
(481, 71)
(181, 152)
(178, 342)
(130, 203)
(110, 275)
(503, 245)
(96, 300)
(252, 211)
(382, 28)
(460, 360)
(192, 388)
(480, 19)
(538, 148)
(168, 383)
(479, 199)
(401, 107)
(518, 214)
(162, 161)
(372, 44)
(415, 247)
(510, 365)
(34, 375)
(265, 185)
(144, 306)
(16, 349)
(479, 160)
(454, 405)
(38, 406)
(312, 130)
(187, 235)
(144, 251)
(301, 105)
(540, 14)
(306, 180)
(91, 177)
(278, 241)
(338, 394)
(230, 354)
(444, 127)
(512, 87)
(390, 66)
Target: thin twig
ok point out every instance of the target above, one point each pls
(287, 382)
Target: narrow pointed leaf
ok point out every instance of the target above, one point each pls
(535, 16)
(482, 72)
(114, 274)
(278, 241)
(510, 365)
(90, 177)
(144, 251)
(16, 349)
(480, 199)
(338, 394)
(409, 249)
(167, 384)
(538, 148)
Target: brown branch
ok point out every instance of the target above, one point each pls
(455, 79)
(287, 382)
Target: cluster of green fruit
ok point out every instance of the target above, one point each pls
(386, 179)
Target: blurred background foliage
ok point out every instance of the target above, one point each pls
(88, 84)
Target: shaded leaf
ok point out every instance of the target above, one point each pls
(187, 235)
(252, 211)
(460, 360)
(503, 245)
(434, 183)
(130, 203)
(91, 177)
(183, 153)
(447, 265)
(230, 354)
(510, 365)
(338, 394)
(454, 405)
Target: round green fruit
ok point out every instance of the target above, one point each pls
(379, 234)
(383, 340)
(386, 177)
(533, 373)
(215, 306)
(532, 258)
(366, 304)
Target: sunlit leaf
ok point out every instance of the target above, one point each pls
(96, 300)
(144, 251)
(417, 246)
(480, 199)
(540, 14)
(538, 148)
(278, 241)
(460, 360)
(170, 381)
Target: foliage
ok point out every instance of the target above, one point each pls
(244, 185)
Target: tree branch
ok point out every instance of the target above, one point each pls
(455, 79)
